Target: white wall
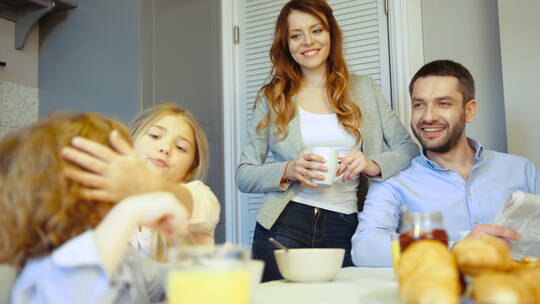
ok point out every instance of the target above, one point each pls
(22, 66)
(18, 80)
(520, 48)
(468, 32)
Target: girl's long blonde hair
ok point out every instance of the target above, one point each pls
(287, 75)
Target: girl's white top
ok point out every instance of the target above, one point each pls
(202, 223)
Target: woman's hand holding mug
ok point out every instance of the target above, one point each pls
(301, 168)
(356, 162)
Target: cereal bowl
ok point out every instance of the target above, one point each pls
(309, 264)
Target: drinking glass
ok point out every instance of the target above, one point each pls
(395, 250)
(208, 275)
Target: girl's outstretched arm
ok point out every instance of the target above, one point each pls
(158, 210)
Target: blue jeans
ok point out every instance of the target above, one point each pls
(303, 226)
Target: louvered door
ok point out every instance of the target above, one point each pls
(364, 25)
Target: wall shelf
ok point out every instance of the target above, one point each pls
(26, 13)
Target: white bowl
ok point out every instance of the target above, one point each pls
(309, 264)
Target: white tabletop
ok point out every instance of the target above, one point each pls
(352, 285)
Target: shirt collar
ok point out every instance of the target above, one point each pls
(477, 146)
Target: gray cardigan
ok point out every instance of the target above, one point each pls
(384, 140)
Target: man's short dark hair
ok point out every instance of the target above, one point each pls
(448, 68)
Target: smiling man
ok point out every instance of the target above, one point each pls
(454, 174)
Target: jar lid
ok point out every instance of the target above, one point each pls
(412, 217)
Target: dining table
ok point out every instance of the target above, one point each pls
(351, 285)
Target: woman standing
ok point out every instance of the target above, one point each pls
(310, 101)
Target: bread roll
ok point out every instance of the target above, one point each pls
(476, 255)
(427, 274)
(525, 263)
(530, 276)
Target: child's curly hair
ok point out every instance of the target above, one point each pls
(40, 207)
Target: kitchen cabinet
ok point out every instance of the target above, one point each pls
(26, 13)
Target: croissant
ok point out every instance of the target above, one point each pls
(488, 253)
(503, 288)
(427, 274)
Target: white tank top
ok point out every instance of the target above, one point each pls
(325, 130)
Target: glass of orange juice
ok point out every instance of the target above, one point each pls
(208, 275)
(396, 250)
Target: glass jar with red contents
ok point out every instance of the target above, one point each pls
(421, 225)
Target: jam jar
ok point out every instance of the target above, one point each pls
(421, 225)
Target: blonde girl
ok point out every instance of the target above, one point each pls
(170, 152)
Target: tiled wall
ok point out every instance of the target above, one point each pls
(18, 106)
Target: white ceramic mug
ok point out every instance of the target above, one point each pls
(331, 155)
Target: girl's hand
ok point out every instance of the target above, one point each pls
(110, 175)
(300, 169)
(356, 162)
(159, 210)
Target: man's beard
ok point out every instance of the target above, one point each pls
(449, 142)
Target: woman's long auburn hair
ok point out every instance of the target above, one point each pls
(41, 209)
(287, 74)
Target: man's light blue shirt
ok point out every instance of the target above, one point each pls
(424, 186)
